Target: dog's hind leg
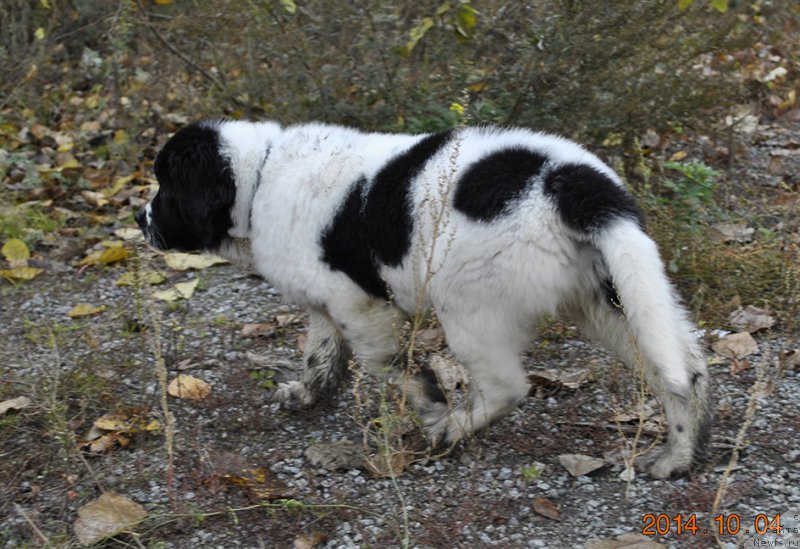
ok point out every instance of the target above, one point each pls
(489, 345)
(324, 363)
(650, 330)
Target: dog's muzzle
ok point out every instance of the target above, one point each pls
(141, 219)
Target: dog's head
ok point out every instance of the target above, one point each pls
(192, 208)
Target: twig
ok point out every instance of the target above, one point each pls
(33, 526)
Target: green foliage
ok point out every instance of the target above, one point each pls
(693, 191)
(530, 473)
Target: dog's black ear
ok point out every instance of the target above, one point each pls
(192, 171)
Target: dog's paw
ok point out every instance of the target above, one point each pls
(663, 462)
(293, 393)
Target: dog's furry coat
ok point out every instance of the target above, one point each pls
(489, 228)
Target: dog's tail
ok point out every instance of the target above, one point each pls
(659, 324)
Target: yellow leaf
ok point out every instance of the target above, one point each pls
(150, 278)
(39, 34)
(183, 262)
(720, 5)
(683, 5)
(20, 273)
(289, 6)
(70, 162)
(65, 147)
(16, 252)
(182, 290)
(185, 386)
(679, 155)
(120, 137)
(127, 420)
(85, 309)
(106, 257)
(163, 2)
(119, 184)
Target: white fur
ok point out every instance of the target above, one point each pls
(488, 282)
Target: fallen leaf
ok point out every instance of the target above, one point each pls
(554, 380)
(386, 466)
(792, 359)
(287, 319)
(14, 404)
(546, 508)
(150, 278)
(106, 256)
(751, 319)
(259, 482)
(85, 309)
(628, 474)
(429, 339)
(188, 387)
(309, 541)
(578, 464)
(643, 412)
(20, 273)
(107, 516)
(119, 184)
(628, 541)
(258, 330)
(104, 443)
(732, 232)
(737, 345)
(181, 290)
(16, 253)
(98, 200)
(739, 365)
(127, 420)
(450, 374)
(336, 456)
(129, 233)
(180, 261)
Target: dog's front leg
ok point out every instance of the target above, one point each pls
(324, 363)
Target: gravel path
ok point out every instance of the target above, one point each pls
(505, 488)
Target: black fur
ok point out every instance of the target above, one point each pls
(373, 227)
(387, 212)
(196, 191)
(344, 245)
(489, 185)
(587, 199)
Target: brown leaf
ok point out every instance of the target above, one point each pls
(14, 404)
(736, 345)
(85, 309)
(335, 456)
(792, 359)
(309, 541)
(577, 464)
(546, 508)
(391, 465)
(751, 319)
(429, 339)
(732, 232)
(107, 516)
(188, 387)
(258, 330)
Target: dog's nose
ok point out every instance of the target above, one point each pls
(141, 218)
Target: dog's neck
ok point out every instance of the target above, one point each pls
(247, 148)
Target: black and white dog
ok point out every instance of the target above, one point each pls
(489, 228)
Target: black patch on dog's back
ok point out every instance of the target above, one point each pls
(387, 212)
(488, 186)
(191, 210)
(344, 244)
(373, 227)
(587, 199)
